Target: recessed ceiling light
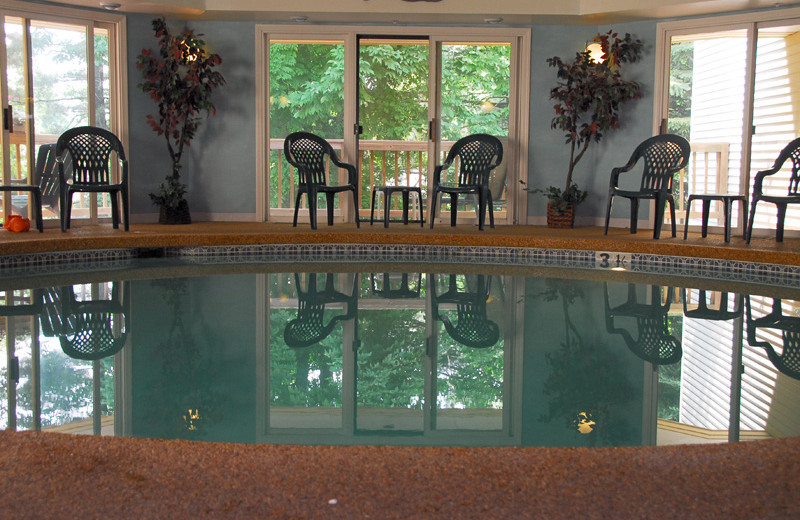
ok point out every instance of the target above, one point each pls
(111, 6)
(493, 20)
(299, 18)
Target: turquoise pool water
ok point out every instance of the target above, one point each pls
(408, 353)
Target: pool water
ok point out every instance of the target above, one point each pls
(400, 354)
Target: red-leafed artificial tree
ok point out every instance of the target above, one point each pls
(589, 94)
(180, 77)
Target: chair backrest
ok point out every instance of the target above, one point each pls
(473, 327)
(788, 361)
(90, 149)
(664, 155)
(309, 327)
(653, 342)
(478, 155)
(791, 151)
(309, 154)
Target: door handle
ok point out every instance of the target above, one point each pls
(8, 119)
(430, 130)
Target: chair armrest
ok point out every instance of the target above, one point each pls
(760, 176)
(351, 170)
(614, 181)
(124, 175)
(437, 174)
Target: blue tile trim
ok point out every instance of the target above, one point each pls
(75, 261)
(65, 261)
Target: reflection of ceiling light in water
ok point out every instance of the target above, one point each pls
(192, 419)
(585, 423)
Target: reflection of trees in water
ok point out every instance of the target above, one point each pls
(310, 376)
(66, 386)
(390, 366)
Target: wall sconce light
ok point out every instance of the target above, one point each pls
(189, 51)
(596, 53)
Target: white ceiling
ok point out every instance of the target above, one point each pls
(512, 12)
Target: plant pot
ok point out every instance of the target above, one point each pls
(179, 215)
(563, 219)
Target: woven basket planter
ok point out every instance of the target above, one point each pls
(179, 215)
(563, 219)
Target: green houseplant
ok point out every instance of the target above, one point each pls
(589, 95)
(180, 78)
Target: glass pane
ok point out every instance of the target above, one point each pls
(476, 85)
(102, 108)
(393, 114)
(706, 106)
(18, 172)
(391, 353)
(306, 93)
(470, 364)
(775, 116)
(305, 379)
(60, 90)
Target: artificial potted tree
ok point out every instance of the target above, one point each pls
(589, 95)
(180, 79)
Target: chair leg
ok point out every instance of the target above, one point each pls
(62, 208)
(634, 215)
(387, 204)
(372, 207)
(126, 210)
(355, 208)
(781, 222)
(432, 209)
(706, 214)
(37, 209)
(491, 210)
(114, 210)
(296, 207)
(481, 209)
(660, 203)
(749, 231)
(672, 216)
(453, 209)
(686, 218)
(312, 207)
(608, 211)
(329, 202)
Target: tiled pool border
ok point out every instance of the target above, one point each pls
(97, 259)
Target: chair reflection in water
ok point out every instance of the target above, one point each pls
(473, 327)
(788, 361)
(309, 328)
(653, 342)
(89, 327)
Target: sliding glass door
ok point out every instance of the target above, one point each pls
(56, 74)
(732, 91)
(392, 107)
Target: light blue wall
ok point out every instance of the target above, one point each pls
(220, 165)
(549, 154)
(220, 168)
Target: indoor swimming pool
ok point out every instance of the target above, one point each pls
(400, 353)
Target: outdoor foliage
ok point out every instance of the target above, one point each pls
(307, 94)
(589, 95)
(180, 78)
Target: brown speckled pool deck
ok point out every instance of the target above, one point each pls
(51, 475)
